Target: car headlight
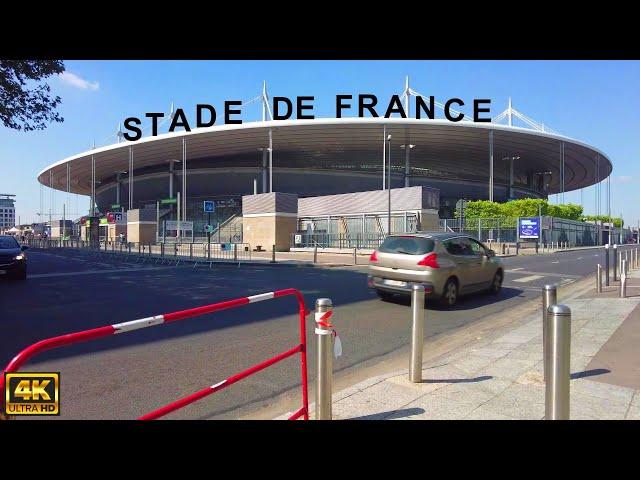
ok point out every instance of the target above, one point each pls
(19, 257)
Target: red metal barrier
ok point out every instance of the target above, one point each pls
(77, 337)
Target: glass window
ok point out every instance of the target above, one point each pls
(477, 247)
(455, 246)
(407, 245)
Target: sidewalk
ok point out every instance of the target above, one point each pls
(499, 376)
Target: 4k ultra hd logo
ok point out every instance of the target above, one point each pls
(32, 393)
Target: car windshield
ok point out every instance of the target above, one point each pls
(8, 242)
(407, 245)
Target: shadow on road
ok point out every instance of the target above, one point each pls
(589, 373)
(405, 412)
(467, 302)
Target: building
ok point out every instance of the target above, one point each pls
(173, 174)
(7, 211)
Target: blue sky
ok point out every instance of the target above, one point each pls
(593, 101)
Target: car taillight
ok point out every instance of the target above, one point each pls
(374, 256)
(431, 260)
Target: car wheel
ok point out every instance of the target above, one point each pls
(450, 293)
(384, 295)
(496, 284)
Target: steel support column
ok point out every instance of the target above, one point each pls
(491, 165)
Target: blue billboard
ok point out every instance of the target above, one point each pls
(529, 228)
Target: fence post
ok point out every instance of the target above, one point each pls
(623, 279)
(606, 264)
(599, 279)
(324, 336)
(549, 297)
(557, 388)
(417, 332)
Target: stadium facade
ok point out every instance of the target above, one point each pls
(328, 156)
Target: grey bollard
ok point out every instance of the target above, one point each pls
(417, 333)
(599, 278)
(273, 254)
(315, 254)
(606, 264)
(615, 262)
(549, 297)
(623, 279)
(557, 386)
(324, 336)
(355, 256)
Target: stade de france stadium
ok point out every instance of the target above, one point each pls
(321, 158)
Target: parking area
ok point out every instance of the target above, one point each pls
(125, 376)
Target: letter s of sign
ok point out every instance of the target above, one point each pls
(132, 124)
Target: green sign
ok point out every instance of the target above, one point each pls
(104, 221)
(115, 205)
(168, 201)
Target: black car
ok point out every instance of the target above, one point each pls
(13, 260)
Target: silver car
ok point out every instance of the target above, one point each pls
(447, 264)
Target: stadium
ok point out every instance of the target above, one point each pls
(328, 156)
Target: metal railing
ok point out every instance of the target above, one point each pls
(118, 328)
(337, 240)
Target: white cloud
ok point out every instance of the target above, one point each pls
(625, 179)
(78, 82)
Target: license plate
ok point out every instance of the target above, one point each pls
(395, 283)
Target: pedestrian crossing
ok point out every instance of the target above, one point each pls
(527, 280)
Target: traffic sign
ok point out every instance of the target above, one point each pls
(209, 206)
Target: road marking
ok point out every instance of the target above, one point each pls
(515, 269)
(530, 278)
(557, 261)
(93, 272)
(548, 274)
(580, 258)
(566, 281)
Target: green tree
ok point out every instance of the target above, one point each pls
(25, 103)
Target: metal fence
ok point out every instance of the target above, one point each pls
(553, 230)
(337, 240)
(157, 252)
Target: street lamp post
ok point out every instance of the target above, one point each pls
(389, 187)
(406, 162)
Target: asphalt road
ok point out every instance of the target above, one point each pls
(124, 376)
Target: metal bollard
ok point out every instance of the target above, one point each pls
(315, 254)
(549, 297)
(324, 336)
(615, 262)
(235, 252)
(273, 254)
(599, 278)
(623, 279)
(606, 264)
(557, 387)
(355, 256)
(417, 333)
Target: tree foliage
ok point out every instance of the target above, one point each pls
(529, 207)
(26, 103)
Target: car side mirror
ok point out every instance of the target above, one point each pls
(24, 247)
(491, 253)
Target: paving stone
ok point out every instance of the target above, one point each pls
(633, 413)
(471, 363)
(358, 405)
(482, 413)
(437, 408)
(518, 401)
(588, 407)
(508, 368)
(392, 395)
(602, 390)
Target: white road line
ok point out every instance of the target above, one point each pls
(530, 278)
(515, 269)
(557, 261)
(579, 258)
(93, 272)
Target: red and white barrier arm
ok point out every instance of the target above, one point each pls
(107, 330)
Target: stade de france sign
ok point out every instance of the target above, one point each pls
(301, 108)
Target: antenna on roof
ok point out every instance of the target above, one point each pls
(119, 133)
